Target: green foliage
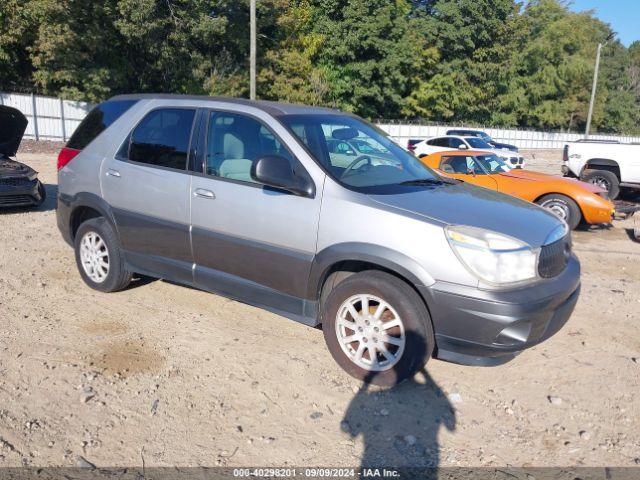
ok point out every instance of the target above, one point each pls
(494, 62)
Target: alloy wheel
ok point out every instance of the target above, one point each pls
(601, 182)
(94, 256)
(370, 332)
(559, 208)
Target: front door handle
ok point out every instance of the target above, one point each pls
(113, 173)
(201, 192)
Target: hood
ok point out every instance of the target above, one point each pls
(12, 126)
(499, 145)
(544, 177)
(464, 204)
(12, 169)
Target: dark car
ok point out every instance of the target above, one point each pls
(19, 184)
(412, 142)
(484, 136)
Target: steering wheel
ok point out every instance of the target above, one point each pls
(351, 166)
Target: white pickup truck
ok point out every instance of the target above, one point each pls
(610, 165)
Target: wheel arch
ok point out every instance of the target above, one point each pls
(564, 194)
(86, 206)
(337, 262)
(602, 164)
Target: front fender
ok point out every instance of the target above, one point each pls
(364, 252)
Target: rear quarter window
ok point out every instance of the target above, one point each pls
(97, 121)
(162, 138)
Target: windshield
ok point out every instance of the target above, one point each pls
(491, 163)
(485, 137)
(375, 163)
(476, 142)
(364, 147)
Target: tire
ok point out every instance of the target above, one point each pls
(413, 340)
(563, 207)
(115, 276)
(605, 179)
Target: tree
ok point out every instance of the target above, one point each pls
(497, 62)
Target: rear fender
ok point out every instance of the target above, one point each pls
(70, 205)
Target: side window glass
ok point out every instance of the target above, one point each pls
(456, 164)
(235, 141)
(473, 167)
(97, 121)
(162, 138)
(455, 142)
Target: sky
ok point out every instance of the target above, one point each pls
(623, 15)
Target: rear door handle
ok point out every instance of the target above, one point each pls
(113, 173)
(201, 192)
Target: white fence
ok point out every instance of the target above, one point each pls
(56, 119)
(49, 118)
(524, 139)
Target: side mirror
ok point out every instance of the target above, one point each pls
(462, 146)
(275, 171)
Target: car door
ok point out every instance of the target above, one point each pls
(432, 145)
(250, 241)
(464, 167)
(148, 187)
(455, 143)
(628, 157)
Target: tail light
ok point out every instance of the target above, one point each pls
(66, 155)
(411, 146)
(565, 154)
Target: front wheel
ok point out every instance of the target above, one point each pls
(604, 179)
(377, 328)
(562, 207)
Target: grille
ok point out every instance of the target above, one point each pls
(17, 200)
(554, 258)
(15, 182)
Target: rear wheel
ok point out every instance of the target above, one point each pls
(99, 258)
(563, 207)
(604, 179)
(377, 328)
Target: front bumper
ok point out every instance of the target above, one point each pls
(481, 327)
(20, 192)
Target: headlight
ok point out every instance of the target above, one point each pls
(493, 257)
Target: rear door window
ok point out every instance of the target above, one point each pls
(97, 121)
(439, 142)
(455, 142)
(162, 138)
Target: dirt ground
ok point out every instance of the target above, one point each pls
(168, 375)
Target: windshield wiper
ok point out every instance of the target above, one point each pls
(423, 181)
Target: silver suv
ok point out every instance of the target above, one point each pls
(253, 201)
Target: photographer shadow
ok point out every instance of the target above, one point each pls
(400, 426)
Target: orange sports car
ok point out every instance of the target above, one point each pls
(569, 199)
